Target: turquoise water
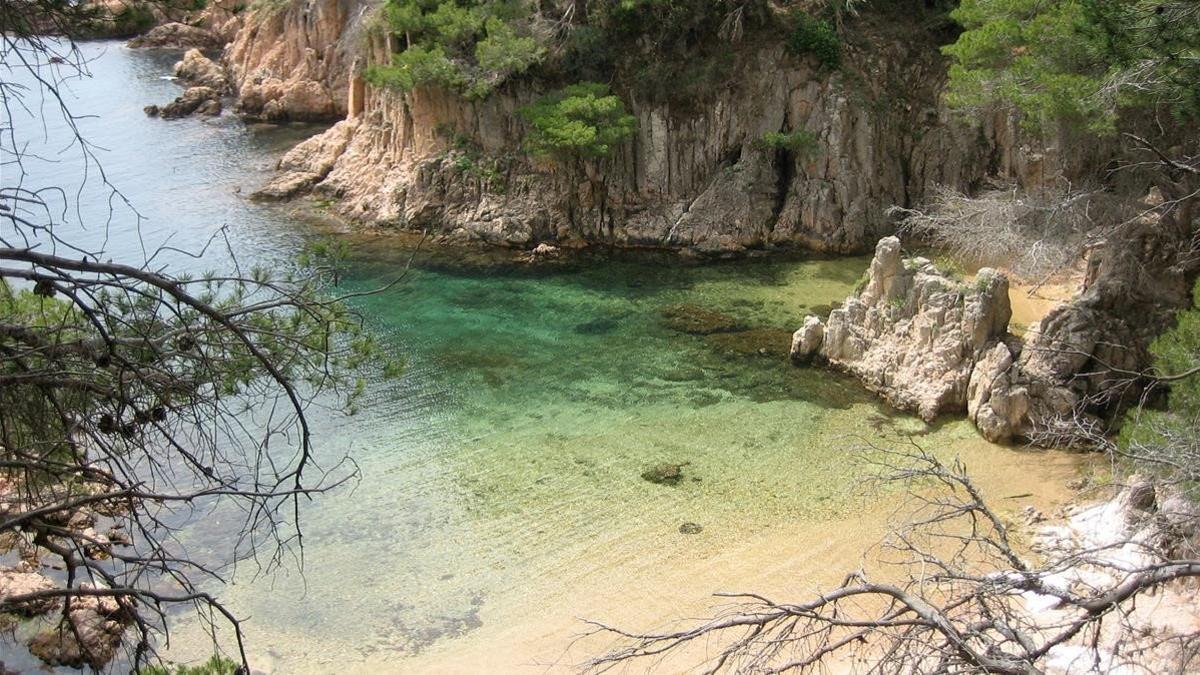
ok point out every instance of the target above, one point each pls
(500, 479)
(514, 445)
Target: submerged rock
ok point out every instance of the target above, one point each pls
(698, 320)
(89, 635)
(752, 342)
(20, 581)
(598, 326)
(664, 474)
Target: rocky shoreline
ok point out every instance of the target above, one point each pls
(932, 345)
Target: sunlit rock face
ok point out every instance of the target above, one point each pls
(292, 61)
(913, 335)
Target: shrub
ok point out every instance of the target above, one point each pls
(466, 47)
(815, 37)
(582, 120)
(799, 142)
(133, 19)
(415, 67)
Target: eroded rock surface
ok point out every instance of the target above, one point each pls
(22, 581)
(913, 335)
(196, 69)
(308, 163)
(291, 61)
(693, 177)
(195, 100)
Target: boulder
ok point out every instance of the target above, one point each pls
(285, 186)
(196, 69)
(995, 403)
(195, 100)
(664, 474)
(806, 341)
(176, 35)
(307, 164)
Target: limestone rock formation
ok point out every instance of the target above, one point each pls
(307, 163)
(693, 177)
(195, 100)
(913, 335)
(176, 35)
(807, 340)
(196, 69)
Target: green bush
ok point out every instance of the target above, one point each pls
(815, 37)
(469, 47)
(580, 121)
(133, 19)
(415, 67)
(799, 142)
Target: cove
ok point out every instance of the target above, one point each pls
(501, 494)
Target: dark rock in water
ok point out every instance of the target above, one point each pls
(698, 320)
(177, 36)
(151, 111)
(691, 528)
(596, 326)
(202, 100)
(664, 474)
(753, 342)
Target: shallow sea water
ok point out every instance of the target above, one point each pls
(500, 494)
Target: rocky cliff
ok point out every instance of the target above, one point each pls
(291, 60)
(694, 176)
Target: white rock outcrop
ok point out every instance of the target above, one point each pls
(913, 335)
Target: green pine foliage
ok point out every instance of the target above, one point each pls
(815, 37)
(469, 48)
(215, 665)
(1078, 61)
(579, 121)
(799, 142)
(416, 67)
